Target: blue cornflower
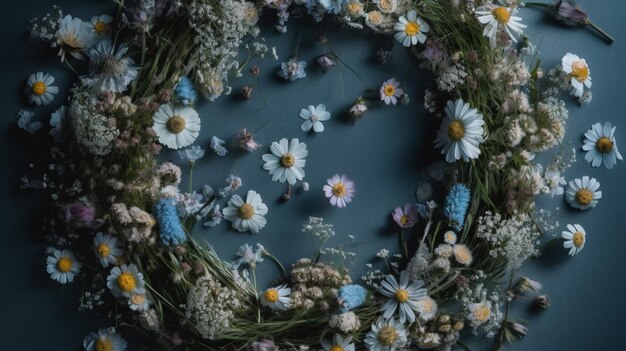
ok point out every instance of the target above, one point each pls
(333, 6)
(292, 69)
(185, 92)
(172, 232)
(351, 297)
(456, 205)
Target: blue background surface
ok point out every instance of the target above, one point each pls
(385, 154)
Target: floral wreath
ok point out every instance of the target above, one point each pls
(120, 221)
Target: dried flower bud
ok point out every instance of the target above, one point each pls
(358, 109)
(527, 285)
(246, 92)
(543, 301)
(570, 14)
(325, 62)
(305, 186)
(519, 330)
(321, 38)
(255, 70)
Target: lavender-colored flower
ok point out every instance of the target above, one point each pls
(80, 213)
(435, 55)
(249, 256)
(191, 154)
(246, 141)
(325, 62)
(340, 190)
(570, 14)
(542, 301)
(233, 183)
(217, 145)
(405, 217)
(263, 345)
(292, 70)
(215, 217)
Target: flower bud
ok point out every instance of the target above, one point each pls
(543, 301)
(358, 109)
(570, 14)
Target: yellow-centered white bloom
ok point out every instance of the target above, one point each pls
(578, 72)
(125, 280)
(276, 298)
(287, 160)
(176, 126)
(104, 340)
(601, 145)
(497, 19)
(403, 296)
(479, 313)
(338, 343)
(411, 29)
(575, 238)
(107, 249)
(246, 215)
(39, 88)
(62, 266)
(461, 132)
(583, 193)
(386, 335)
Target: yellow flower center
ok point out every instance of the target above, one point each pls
(482, 313)
(580, 71)
(385, 5)
(64, 264)
(271, 295)
(100, 27)
(103, 250)
(339, 190)
(387, 335)
(501, 14)
(604, 145)
(404, 219)
(176, 124)
(336, 348)
(287, 160)
(389, 90)
(138, 299)
(584, 196)
(456, 130)
(375, 17)
(355, 8)
(578, 239)
(103, 345)
(39, 88)
(246, 211)
(462, 255)
(126, 282)
(411, 28)
(402, 295)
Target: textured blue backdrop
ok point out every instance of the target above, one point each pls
(384, 153)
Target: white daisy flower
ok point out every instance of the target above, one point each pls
(402, 296)
(578, 72)
(125, 280)
(104, 340)
(390, 91)
(138, 301)
(575, 238)
(386, 335)
(339, 343)
(276, 298)
(62, 266)
(286, 162)
(107, 248)
(176, 126)
(411, 29)
(39, 88)
(461, 132)
(109, 68)
(101, 25)
(314, 116)
(601, 146)
(583, 193)
(499, 18)
(74, 36)
(427, 309)
(246, 215)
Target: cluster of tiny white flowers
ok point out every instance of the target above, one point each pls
(478, 294)
(451, 78)
(45, 28)
(430, 102)
(212, 306)
(317, 229)
(220, 30)
(513, 239)
(93, 130)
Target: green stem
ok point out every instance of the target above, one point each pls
(608, 38)
(403, 246)
(258, 83)
(191, 166)
(280, 265)
(256, 295)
